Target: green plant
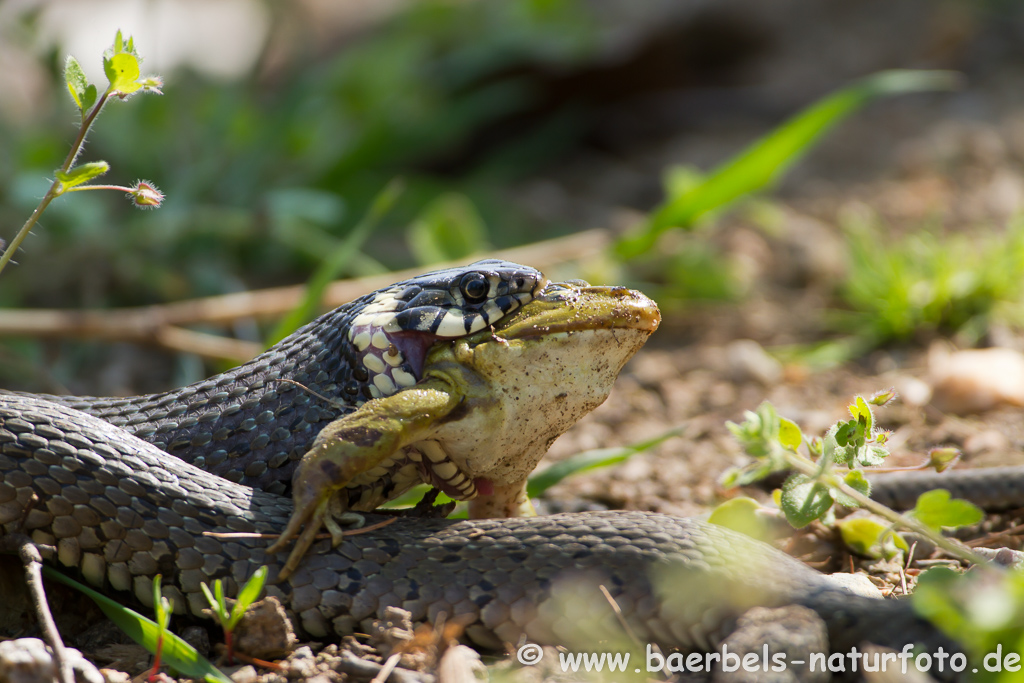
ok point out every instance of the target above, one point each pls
(229, 618)
(175, 652)
(925, 283)
(984, 611)
(830, 470)
(121, 66)
(163, 608)
(765, 161)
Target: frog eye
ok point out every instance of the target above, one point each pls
(474, 287)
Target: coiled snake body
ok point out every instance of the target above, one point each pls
(120, 510)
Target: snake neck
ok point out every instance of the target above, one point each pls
(246, 424)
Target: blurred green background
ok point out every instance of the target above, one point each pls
(508, 123)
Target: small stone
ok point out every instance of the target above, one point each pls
(461, 664)
(794, 630)
(857, 584)
(748, 361)
(265, 631)
(988, 441)
(247, 674)
(300, 665)
(115, 676)
(30, 660)
(974, 381)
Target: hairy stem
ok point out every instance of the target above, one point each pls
(833, 481)
(56, 188)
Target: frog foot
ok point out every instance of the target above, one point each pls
(339, 518)
(328, 514)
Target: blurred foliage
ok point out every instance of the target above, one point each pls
(925, 283)
(264, 178)
(984, 611)
(765, 161)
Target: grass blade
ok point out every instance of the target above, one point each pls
(177, 654)
(591, 460)
(336, 262)
(767, 159)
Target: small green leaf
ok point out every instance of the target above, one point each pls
(248, 595)
(89, 98)
(122, 71)
(177, 654)
(212, 601)
(789, 434)
(831, 451)
(82, 174)
(869, 537)
(936, 509)
(855, 480)
(742, 514)
(870, 455)
(941, 459)
(845, 432)
(161, 605)
(861, 412)
(804, 500)
(756, 471)
(76, 80)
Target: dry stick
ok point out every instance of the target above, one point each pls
(160, 324)
(33, 562)
(388, 667)
(319, 537)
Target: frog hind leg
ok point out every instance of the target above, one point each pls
(352, 445)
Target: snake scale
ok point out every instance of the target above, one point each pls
(120, 510)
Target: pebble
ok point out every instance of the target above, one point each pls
(748, 361)
(30, 660)
(974, 381)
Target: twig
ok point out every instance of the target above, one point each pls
(319, 537)
(619, 615)
(388, 667)
(160, 324)
(33, 562)
(996, 535)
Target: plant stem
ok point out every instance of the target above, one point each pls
(83, 188)
(50, 195)
(79, 143)
(831, 480)
(56, 188)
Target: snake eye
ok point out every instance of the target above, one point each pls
(474, 287)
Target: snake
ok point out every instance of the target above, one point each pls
(117, 491)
